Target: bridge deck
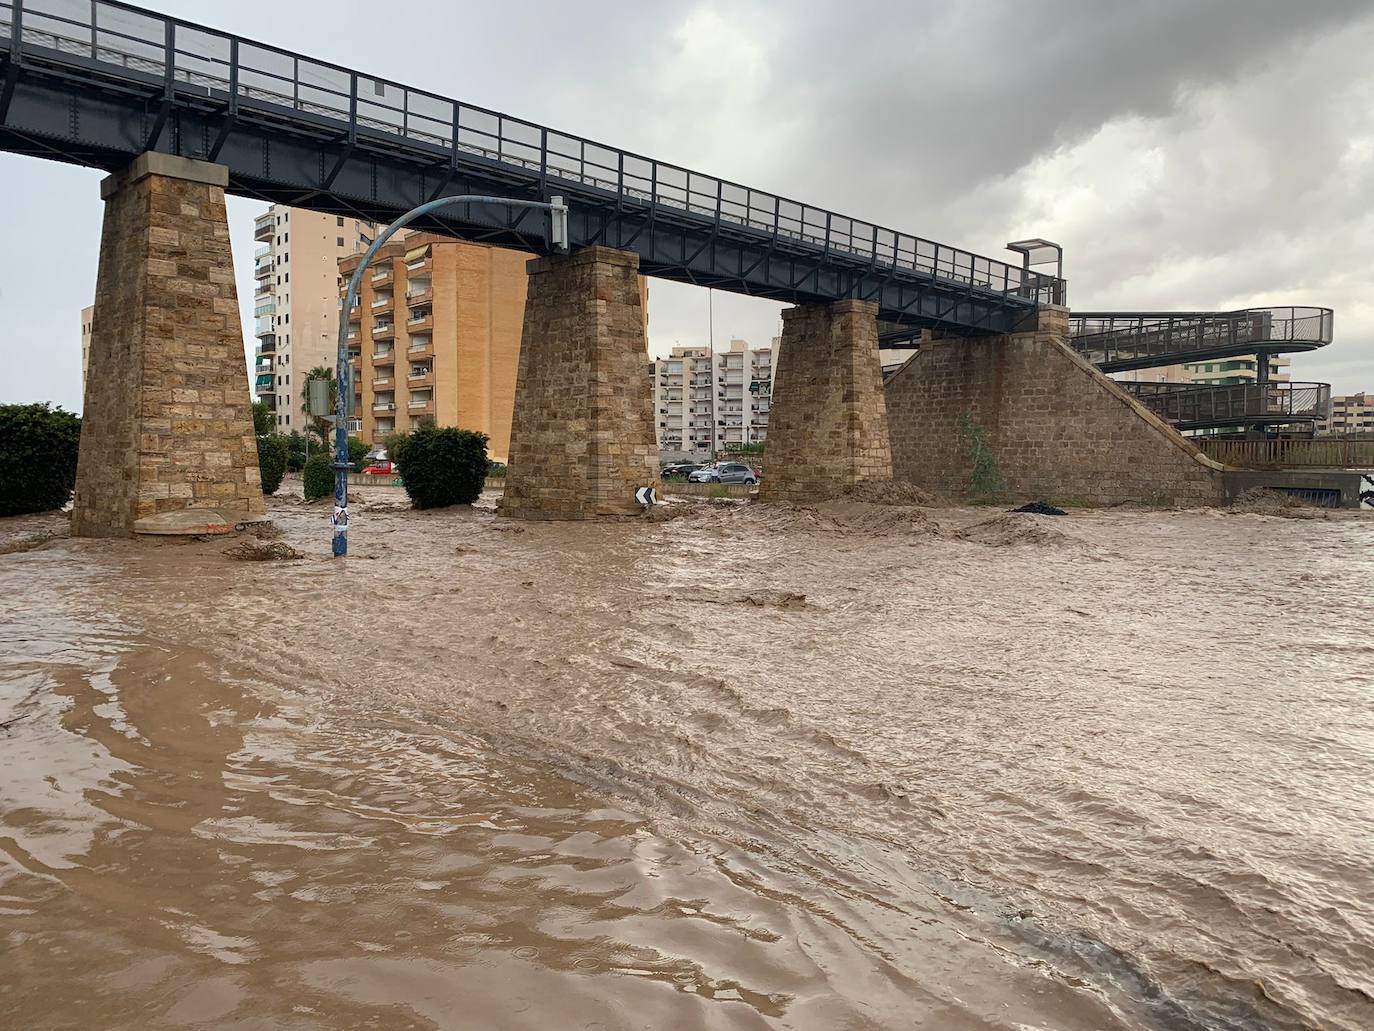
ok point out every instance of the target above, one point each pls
(98, 83)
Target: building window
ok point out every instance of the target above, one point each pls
(339, 219)
(340, 239)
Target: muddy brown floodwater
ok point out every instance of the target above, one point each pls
(857, 767)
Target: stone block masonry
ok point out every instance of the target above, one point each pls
(828, 425)
(167, 422)
(582, 435)
(1058, 428)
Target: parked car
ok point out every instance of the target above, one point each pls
(725, 472)
(679, 471)
(378, 469)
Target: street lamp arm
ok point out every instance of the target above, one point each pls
(559, 238)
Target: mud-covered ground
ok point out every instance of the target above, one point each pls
(859, 765)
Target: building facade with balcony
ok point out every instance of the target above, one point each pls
(706, 404)
(296, 301)
(436, 334)
(1351, 414)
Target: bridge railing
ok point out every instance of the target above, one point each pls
(1109, 337)
(182, 56)
(1197, 404)
(1291, 453)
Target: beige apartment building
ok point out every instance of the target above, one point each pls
(86, 315)
(706, 403)
(296, 301)
(1350, 414)
(436, 334)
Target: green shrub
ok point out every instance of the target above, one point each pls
(39, 466)
(442, 467)
(264, 422)
(985, 481)
(295, 451)
(319, 476)
(496, 470)
(272, 448)
(357, 454)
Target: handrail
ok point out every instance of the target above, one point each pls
(185, 56)
(1117, 341)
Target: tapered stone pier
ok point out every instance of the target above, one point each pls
(828, 425)
(167, 423)
(582, 434)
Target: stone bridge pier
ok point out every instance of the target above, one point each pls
(167, 421)
(828, 425)
(582, 434)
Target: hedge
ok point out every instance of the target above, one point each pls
(440, 467)
(39, 467)
(319, 476)
(272, 451)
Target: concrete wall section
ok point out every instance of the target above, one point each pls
(582, 435)
(167, 422)
(828, 425)
(1059, 429)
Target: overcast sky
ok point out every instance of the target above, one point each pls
(1187, 154)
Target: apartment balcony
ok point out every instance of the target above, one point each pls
(425, 379)
(354, 331)
(420, 406)
(421, 348)
(387, 357)
(384, 406)
(263, 289)
(267, 345)
(383, 303)
(420, 323)
(383, 276)
(263, 269)
(384, 331)
(263, 326)
(383, 382)
(264, 227)
(424, 295)
(265, 385)
(384, 426)
(264, 308)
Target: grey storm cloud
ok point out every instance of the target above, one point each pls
(1187, 154)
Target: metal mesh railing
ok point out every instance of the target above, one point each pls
(131, 42)
(1189, 404)
(1166, 338)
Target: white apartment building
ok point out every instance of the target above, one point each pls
(1221, 372)
(707, 404)
(296, 301)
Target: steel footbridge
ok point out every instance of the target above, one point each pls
(1128, 341)
(98, 82)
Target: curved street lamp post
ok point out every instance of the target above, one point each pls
(559, 239)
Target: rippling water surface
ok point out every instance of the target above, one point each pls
(751, 768)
